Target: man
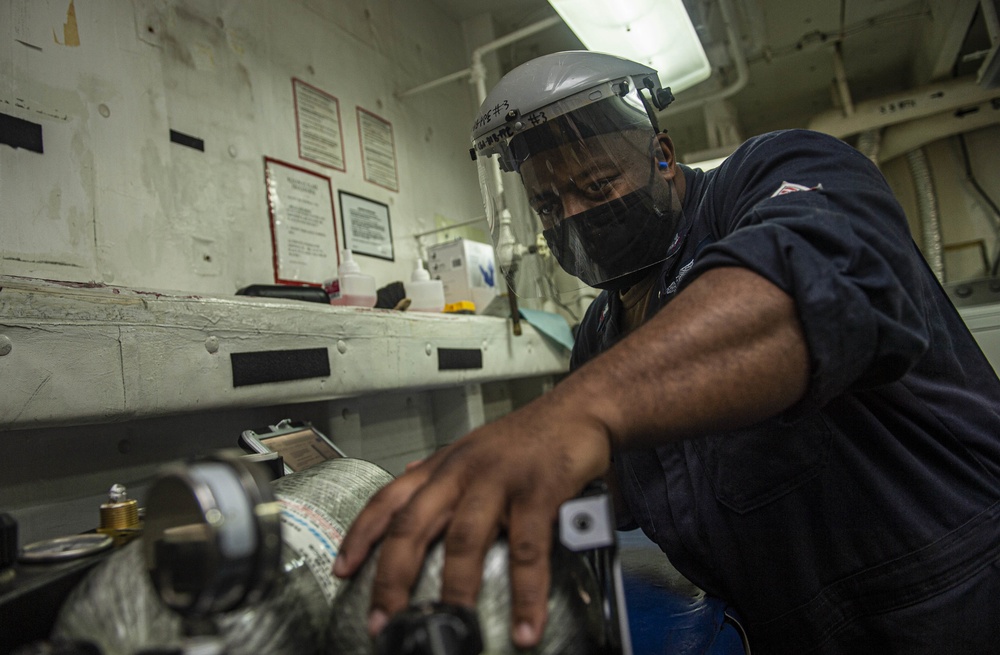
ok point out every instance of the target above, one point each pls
(794, 411)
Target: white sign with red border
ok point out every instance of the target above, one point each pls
(303, 225)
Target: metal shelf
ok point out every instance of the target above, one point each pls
(74, 353)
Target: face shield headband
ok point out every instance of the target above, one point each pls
(604, 117)
(571, 119)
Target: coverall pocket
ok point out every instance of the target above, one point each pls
(755, 466)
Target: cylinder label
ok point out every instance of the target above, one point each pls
(315, 539)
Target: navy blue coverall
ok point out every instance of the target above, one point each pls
(866, 518)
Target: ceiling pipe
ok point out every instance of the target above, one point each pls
(900, 139)
(739, 59)
(870, 145)
(840, 77)
(905, 106)
(476, 72)
(927, 207)
(479, 70)
(435, 83)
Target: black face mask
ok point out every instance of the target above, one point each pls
(602, 246)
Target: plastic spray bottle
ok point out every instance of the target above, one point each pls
(425, 294)
(351, 286)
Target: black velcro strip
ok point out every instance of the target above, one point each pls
(279, 366)
(19, 133)
(455, 359)
(187, 140)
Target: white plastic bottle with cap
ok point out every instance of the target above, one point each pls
(425, 294)
(351, 287)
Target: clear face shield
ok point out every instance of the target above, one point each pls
(586, 182)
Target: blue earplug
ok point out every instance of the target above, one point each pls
(663, 164)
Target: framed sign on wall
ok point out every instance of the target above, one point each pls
(367, 229)
(303, 225)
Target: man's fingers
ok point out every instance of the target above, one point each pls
(372, 523)
(374, 519)
(530, 537)
(412, 528)
(473, 530)
(400, 561)
(466, 492)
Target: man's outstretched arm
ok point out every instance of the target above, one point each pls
(728, 351)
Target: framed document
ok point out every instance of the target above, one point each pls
(378, 150)
(303, 225)
(367, 229)
(317, 126)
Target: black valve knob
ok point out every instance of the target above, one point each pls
(431, 629)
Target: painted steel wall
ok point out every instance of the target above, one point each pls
(113, 200)
(112, 203)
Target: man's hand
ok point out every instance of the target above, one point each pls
(512, 474)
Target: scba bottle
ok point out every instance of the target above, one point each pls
(575, 623)
(118, 608)
(302, 608)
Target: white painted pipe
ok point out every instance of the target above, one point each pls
(840, 75)
(900, 139)
(436, 83)
(927, 206)
(475, 70)
(739, 59)
(905, 106)
(870, 145)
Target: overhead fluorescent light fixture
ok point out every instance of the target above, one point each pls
(657, 33)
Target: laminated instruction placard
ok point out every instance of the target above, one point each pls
(317, 125)
(378, 150)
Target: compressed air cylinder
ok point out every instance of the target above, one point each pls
(117, 609)
(575, 625)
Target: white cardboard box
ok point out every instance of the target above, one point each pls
(467, 270)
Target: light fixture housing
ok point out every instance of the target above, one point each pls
(657, 33)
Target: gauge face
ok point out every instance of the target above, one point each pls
(65, 548)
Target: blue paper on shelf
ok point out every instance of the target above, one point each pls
(551, 325)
